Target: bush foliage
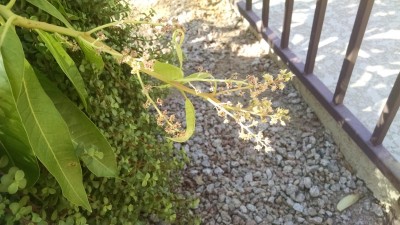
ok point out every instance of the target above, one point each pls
(148, 166)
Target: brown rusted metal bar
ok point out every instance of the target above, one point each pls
(316, 29)
(265, 13)
(249, 4)
(379, 155)
(388, 113)
(357, 35)
(286, 23)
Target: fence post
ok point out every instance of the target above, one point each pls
(286, 23)
(360, 24)
(249, 4)
(387, 115)
(316, 29)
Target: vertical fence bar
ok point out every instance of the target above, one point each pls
(360, 24)
(388, 113)
(316, 29)
(286, 23)
(249, 4)
(265, 13)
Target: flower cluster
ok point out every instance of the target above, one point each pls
(248, 114)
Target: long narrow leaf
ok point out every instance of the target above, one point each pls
(13, 59)
(178, 44)
(83, 132)
(50, 139)
(190, 122)
(66, 64)
(13, 137)
(50, 9)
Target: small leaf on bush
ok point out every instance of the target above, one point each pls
(348, 201)
(3, 161)
(145, 179)
(13, 188)
(195, 203)
(22, 184)
(14, 207)
(19, 175)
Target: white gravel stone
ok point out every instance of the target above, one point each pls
(243, 209)
(314, 191)
(248, 177)
(251, 207)
(298, 207)
(218, 171)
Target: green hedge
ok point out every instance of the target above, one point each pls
(149, 166)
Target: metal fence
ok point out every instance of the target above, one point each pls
(370, 143)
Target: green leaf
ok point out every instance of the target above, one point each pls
(66, 63)
(178, 44)
(13, 188)
(19, 175)
(83, 132)
(190, 122)
(91, 54)
(3, 161)
(14, 207)
(145, 179)
(195, 203)
(13, 59)
(13, 137)
(347, 201)
(50, 9)
(50, 138)
(170, 71)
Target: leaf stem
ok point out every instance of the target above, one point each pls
(10, 4)
(32, 24)
(116, 23)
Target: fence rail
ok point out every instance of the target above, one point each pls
(371, 144)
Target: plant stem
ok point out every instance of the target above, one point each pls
(31, 24)
(116, 23)
(10, 4)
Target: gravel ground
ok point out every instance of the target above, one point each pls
(301, 180)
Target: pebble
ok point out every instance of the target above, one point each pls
(243, 209)
(377, 210)
(251, 207)
(298, 207)
(314, 191)
(307, 182)
(316, 220)
(218, 171)
(258, 219)
(251, 222)
(248, 177)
